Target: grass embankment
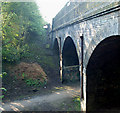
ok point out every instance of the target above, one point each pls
(31, 72)
(30, 68)
(41, 54)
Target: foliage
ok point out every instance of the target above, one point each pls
(77, 103)
(35, 82)
(40, 54)
(24, 75)
(21, 21)
(47, 46)
(74, 104)
(1, 75)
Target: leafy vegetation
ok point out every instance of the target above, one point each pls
(40, 54)
(77, 103)
(21, 23)
(3, 89)
(32, 82)
(24, 75)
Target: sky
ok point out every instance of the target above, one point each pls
(49, 8)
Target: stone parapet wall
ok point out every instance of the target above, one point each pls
(79, 11)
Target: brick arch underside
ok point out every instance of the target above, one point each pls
(103, 75)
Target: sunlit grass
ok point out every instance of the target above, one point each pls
(72, 105)
(77, 103)
(58, 88)
(64, 88)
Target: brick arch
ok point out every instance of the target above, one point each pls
(102, 70)
(76, 43)
(58, 42)
(72, 42)
(96, 40)
(70, 59)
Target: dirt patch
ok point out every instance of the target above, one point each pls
(60, 100)
(28, 71)
(23, 80)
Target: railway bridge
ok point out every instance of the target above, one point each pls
(86, 36)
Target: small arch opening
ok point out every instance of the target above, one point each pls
(56, 47)
(70, 61)
(103, 76)
(56, 57)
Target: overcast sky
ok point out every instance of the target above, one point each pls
(49, 8)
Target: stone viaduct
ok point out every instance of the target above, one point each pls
(87, 36)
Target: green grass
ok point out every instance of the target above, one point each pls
(40, 54)
(77, 103)
(74, 104)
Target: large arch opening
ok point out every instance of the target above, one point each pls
(103, 76)
(70, 61)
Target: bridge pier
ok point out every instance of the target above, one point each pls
(61, 67)
(83, 91)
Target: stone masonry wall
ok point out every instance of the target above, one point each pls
(93, 30)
